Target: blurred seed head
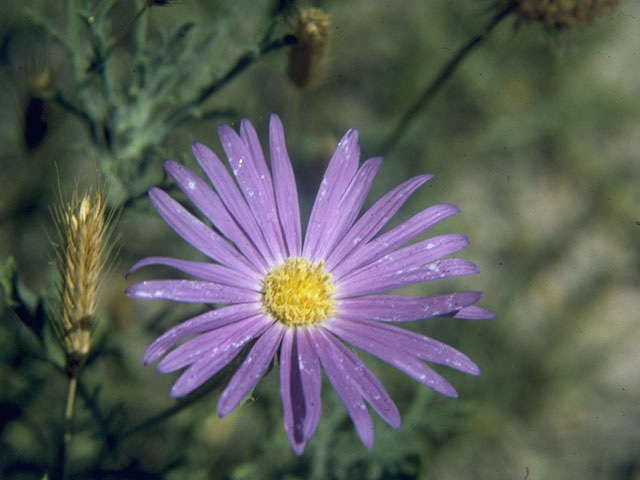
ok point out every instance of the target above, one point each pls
(308, 56)
(557, 15)
(37, 108)
(83, 234)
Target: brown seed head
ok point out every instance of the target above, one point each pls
(82, 231)
(558, 15)
(307, 57)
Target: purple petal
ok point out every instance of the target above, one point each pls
(349, 206)
(374, 219)
(209, 343)
(210, 320)
(198, 234)
(394, 238)
(256, 187)
(292, 392)
(413, 256)
(473, 313)
(421, 347)
(214, 360)
(397, 308)
(285, 188)
(339, 374)
(388, 352)
(210, 204)
(252, 369)
(337, 177)
(230, 196)
(364, 285)
(250, 138)
(368, 385)
(194, 291)
(207, 271)
(311, 376)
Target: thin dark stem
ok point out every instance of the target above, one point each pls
(127, 28)
(169, 412)
(97, 413)
(81, 114)
(435, 85)
(59, 472)
(241, 64)
(155, 419)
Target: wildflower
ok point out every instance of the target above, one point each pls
(303, 298)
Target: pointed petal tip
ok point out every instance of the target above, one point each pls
(152, 354)
(163, 368)
(148, 359)
(220, 411)
(274, 118)
(156, 196)
(351, 137)
(134, 268)
(298, 448)
(178, 391)
(473, 312)
(197, 148)
(451, 207)
(397, 425)
(169, 163)
(203, 154)
(224, 408)
(226, 133)
(449, 391)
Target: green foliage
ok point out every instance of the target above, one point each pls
(534, 134)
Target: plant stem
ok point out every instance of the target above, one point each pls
(435, 85)
(169, 412)
(68, 413)
(127, 28)
(59, 472)
(241, 64)
(79, 113)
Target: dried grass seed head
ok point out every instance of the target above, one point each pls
(83, 231)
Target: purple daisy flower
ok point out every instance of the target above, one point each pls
(306, 298)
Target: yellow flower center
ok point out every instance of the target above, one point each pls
(298, 293)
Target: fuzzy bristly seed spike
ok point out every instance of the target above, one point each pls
(82, 237)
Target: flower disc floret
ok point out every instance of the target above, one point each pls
(298, 293)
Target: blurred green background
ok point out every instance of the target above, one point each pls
(536, 137)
